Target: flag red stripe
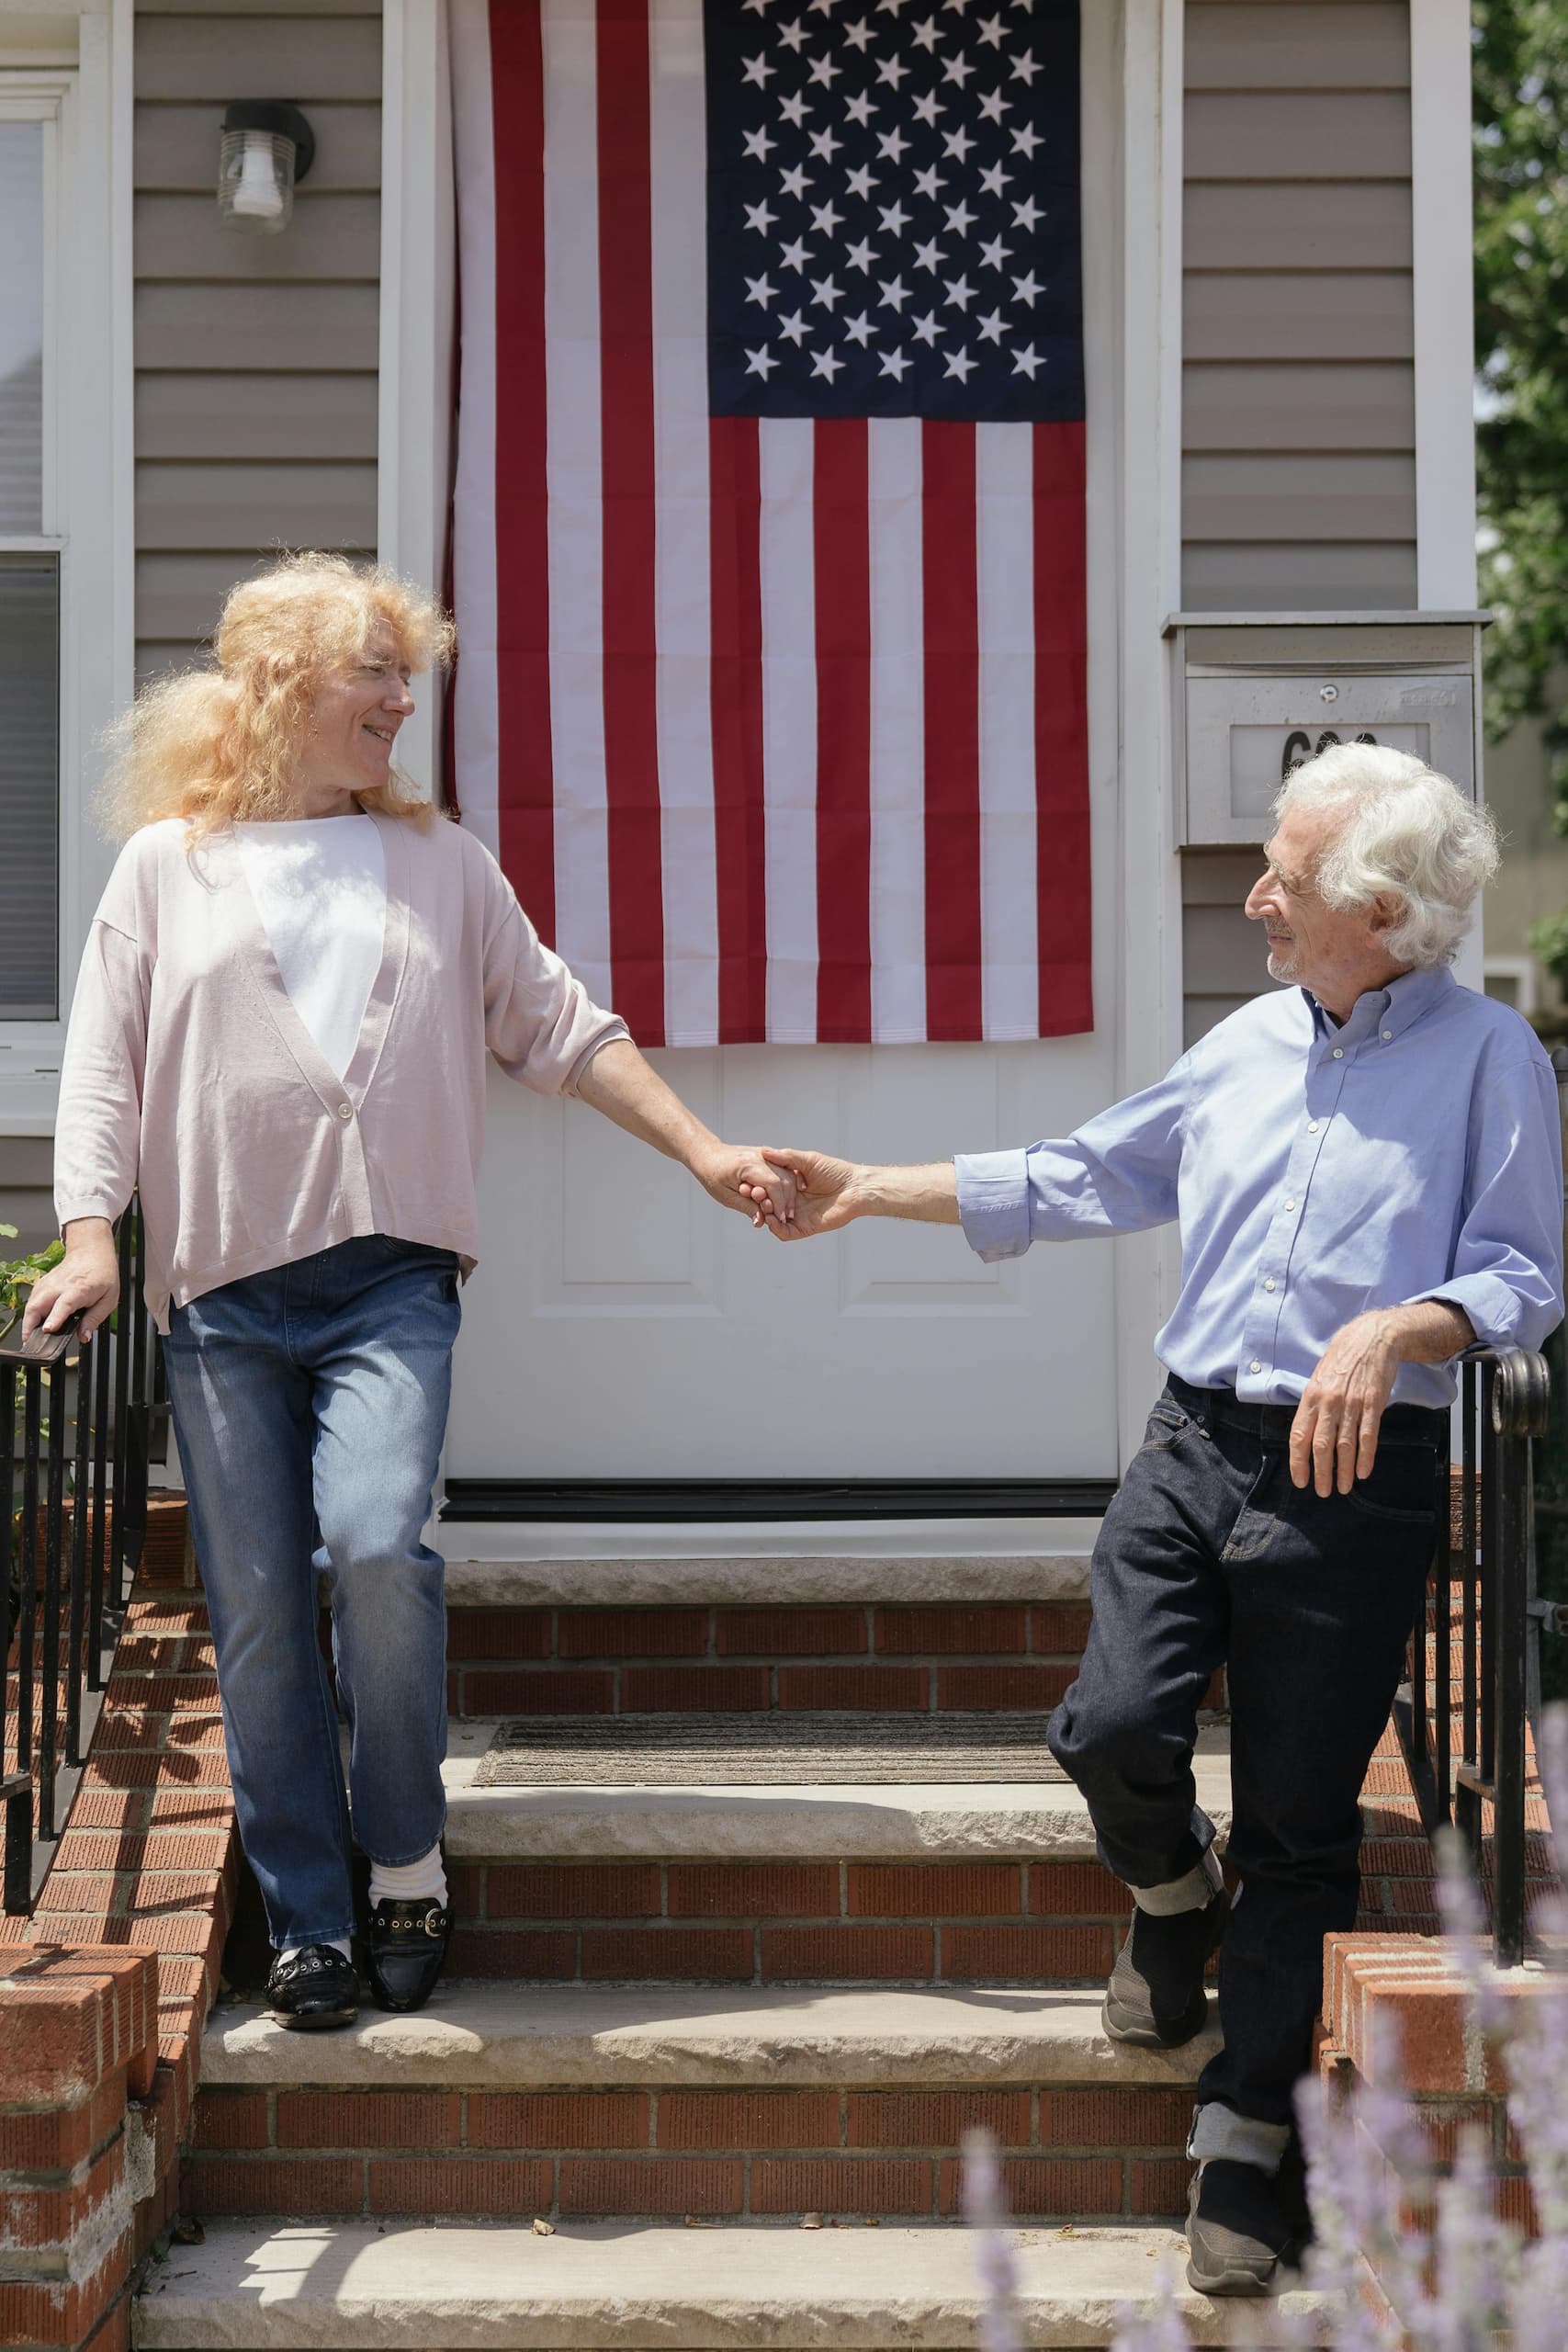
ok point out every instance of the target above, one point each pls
(735, 507)
(842, 561)
(628, 463)
(1061, 732)
(951, 588)
(525, 785)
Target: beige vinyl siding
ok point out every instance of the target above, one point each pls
(1298, 401)
(256, 357)
(1298, 385)
(1222, 960)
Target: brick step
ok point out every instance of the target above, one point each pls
(611, 1635)
(867, 1656)
(875, 1882)
(632, 2156)
(599, 2103)
(1039, 1920)
(350, 2288)
(528, 2038)
(854, 1821)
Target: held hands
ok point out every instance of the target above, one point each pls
(741, 1176)
(823, 1192)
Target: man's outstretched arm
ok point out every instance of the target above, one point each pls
(833, 1193)
(1116, 1175)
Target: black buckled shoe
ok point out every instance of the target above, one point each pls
(1239, 2237)
(1156, 1994)
(313, 1988)
(407, 1946)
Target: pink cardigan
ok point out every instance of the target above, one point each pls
(188, 1071)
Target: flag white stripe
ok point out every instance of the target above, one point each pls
(789, 725)
(1004, 473)
(476, 706)
(678, 134)
(574, 460)
(898, 736)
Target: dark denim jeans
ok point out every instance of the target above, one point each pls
(1209, 1555)
(309, 1403)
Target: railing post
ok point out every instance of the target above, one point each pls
(19, 1785)
(1519, 1406)
(53, 1543)
(1466, 1801)
(66, 1604)
(77, 1632)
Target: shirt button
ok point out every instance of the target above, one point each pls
(1269, 1283)
(1388, 1036)
(1254, 1366)
(1289, 1204)
(345, 1110)
(1313, 1125)
(1339, 1053)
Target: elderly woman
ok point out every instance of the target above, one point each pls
(279, 1035)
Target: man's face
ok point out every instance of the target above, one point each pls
(1310, 944)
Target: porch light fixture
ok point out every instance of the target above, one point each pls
(267, 146)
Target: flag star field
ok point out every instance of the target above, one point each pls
(893, 208)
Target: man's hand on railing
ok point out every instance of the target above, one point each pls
(1333, 1438)
(85, 1282)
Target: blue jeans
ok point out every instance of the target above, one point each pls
(1209, 1555)
(309, 1403)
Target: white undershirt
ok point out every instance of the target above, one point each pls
(320, 887)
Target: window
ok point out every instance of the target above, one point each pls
(29, 565)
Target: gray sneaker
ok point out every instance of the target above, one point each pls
(1239, 2237)
(1156, 1995)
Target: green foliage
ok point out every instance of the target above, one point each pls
(18, 1276)
(1549, 941)
(1521, 328)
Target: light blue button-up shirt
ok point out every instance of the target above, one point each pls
(1317, 1171)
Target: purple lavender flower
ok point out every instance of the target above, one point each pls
(985, 2207)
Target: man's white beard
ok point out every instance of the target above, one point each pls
(1283, 966)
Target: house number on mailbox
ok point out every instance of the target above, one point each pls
(1299, 747)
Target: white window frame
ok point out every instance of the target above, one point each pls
(87, 518)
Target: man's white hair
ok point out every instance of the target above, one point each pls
(1408, 832)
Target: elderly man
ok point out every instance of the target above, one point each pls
(1367, 1174)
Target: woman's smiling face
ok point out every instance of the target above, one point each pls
(355, 724)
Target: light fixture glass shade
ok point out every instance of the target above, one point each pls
(256, 182)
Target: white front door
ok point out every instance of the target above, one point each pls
(620, 1325)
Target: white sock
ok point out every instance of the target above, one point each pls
(334, 1943)
(421, 1881)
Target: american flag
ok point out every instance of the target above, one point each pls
(768, 523)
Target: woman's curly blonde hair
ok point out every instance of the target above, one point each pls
(218, 744)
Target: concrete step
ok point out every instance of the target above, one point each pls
(772, 2037)
(491, 1568)
(338, 2287)
(957, 1819)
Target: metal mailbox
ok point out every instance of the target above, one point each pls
(1255, 694)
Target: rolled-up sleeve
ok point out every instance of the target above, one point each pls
(1118, 1174)
(541, 1022)
(1507, 1257)
(97, 1131)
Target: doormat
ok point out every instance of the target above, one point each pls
(735, 1751)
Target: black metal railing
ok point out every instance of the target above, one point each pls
(1466, 1748)
(77, 1424)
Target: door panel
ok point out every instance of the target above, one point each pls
(621, 1325)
